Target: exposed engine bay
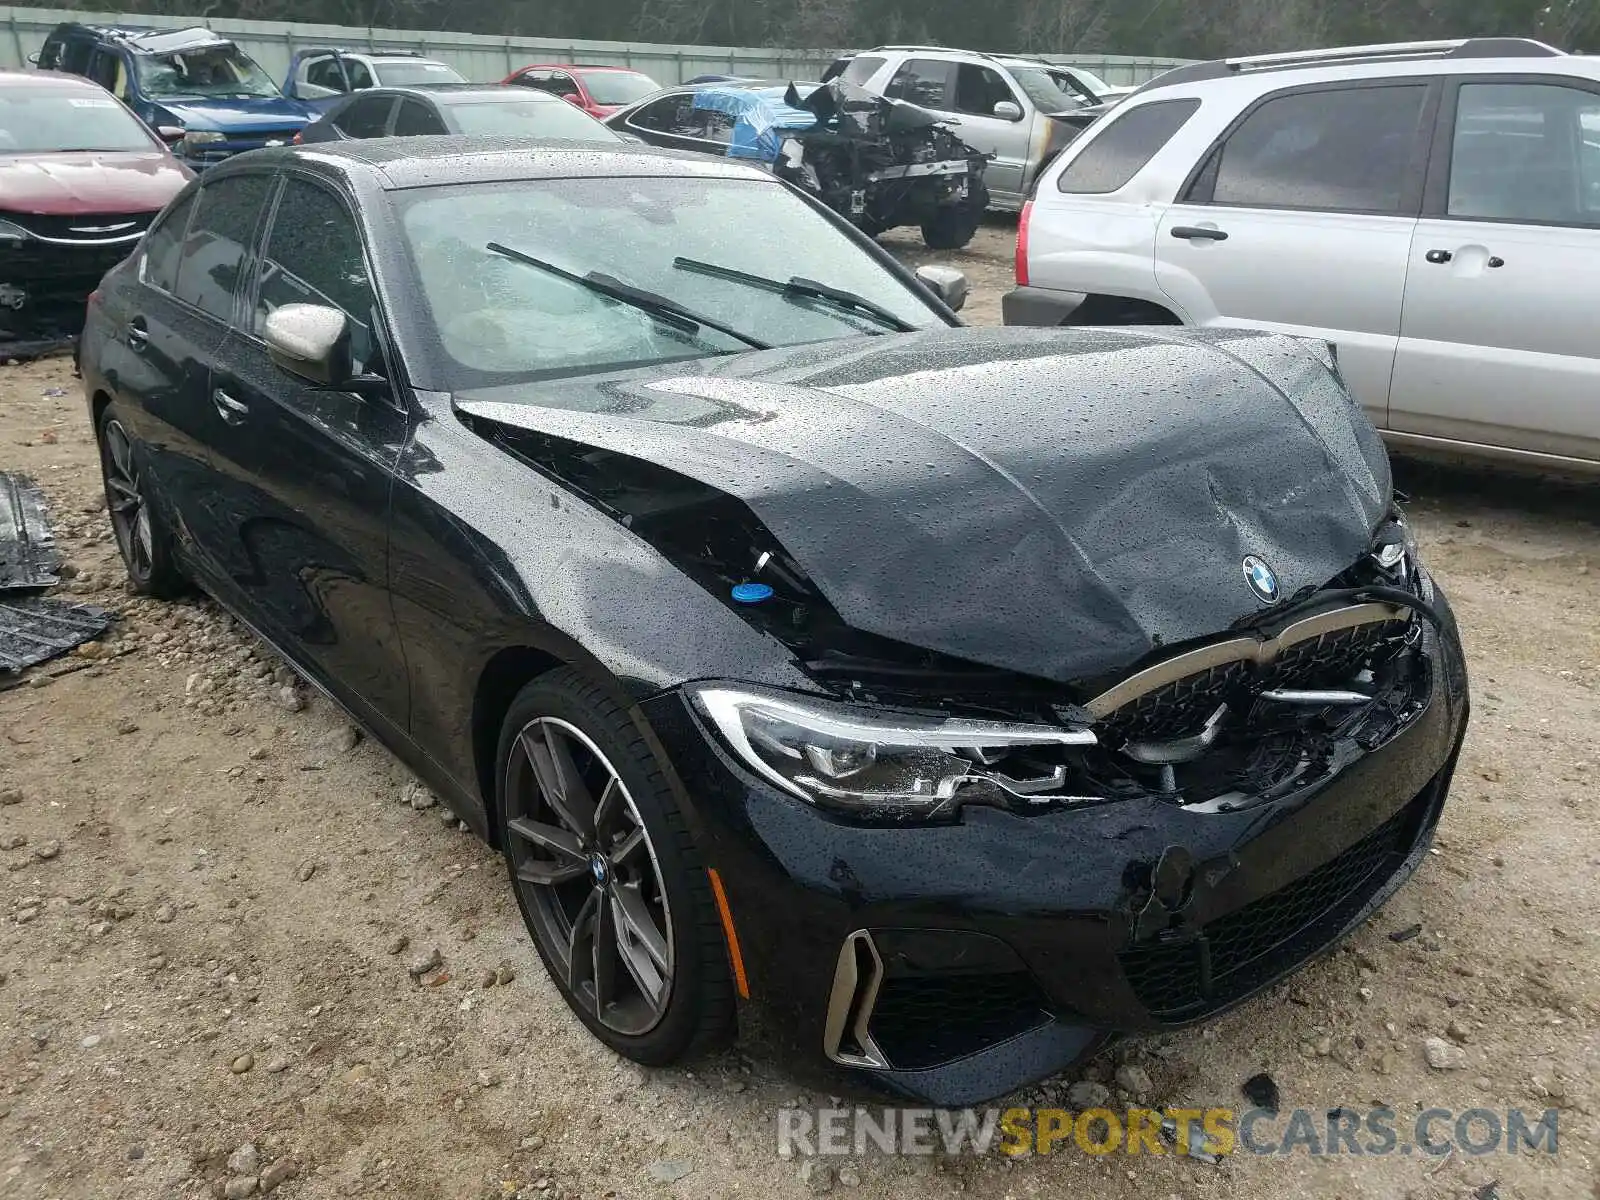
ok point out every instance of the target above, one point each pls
(877, 162)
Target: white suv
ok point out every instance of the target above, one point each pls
(1432, 209)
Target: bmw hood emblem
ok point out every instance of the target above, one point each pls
(1262, 579)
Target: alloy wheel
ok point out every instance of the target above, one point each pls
(588, 875)
(130, 512)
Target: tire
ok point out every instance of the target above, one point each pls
(953, 226)
(142, 535)
(581, 891)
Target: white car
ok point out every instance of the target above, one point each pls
(1432, 209)
(328, 73)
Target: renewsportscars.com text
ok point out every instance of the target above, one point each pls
(1200, 1132)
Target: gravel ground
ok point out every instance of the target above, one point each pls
(219, 907)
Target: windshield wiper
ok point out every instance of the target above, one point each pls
(797, 286)
(666, 311)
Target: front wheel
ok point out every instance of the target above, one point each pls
(607, 875)
(954, 225)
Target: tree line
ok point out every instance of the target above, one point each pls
(1177, 28)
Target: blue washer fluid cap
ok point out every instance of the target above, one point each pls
(751, 593)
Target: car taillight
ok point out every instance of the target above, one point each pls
(1022, 244)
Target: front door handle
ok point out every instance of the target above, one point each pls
(1198, 233)
(232, 410)
(1438, 256)
(138, 336)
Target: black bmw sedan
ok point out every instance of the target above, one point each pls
(928, 703)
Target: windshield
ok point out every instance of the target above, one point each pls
(1088, 78)
(34, 120)
(617, 87)
(406, 74)
(1050, 91)
(527, 116)
(222, 70)
(500, 320)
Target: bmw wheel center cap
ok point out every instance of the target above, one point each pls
(1262, 579)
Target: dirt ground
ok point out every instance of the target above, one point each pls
(210, 899)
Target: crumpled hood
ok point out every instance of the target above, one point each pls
(1057, 503)
(90, 182)
(243, 115)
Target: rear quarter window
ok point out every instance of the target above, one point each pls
(861, 68)
(1120, 151)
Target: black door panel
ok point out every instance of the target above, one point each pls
(303, 472)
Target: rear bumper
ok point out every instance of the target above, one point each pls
(1039, 306)
(957, 963)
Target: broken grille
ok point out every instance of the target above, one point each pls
(1182, 702)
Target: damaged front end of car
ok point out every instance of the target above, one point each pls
(879, 163)
(1058, 772)
(48, 266)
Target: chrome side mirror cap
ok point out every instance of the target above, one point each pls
(1008, 110)
(949, 284)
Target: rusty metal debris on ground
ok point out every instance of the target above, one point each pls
(34, 629)
(29, 559)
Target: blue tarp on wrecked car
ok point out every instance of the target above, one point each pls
(761, 117)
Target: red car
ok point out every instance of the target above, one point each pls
(80, 178)
(599, 91)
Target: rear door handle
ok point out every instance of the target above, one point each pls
(1438, 256)
(138, 336)
(232, 410)
(1198, 233)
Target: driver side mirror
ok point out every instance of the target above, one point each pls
(170, 134)
(1008, 110)
(949, 284)
(311, 341)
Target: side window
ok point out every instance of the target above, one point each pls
(219, 236)
(325, 73)
(415, 117)
(539, 80)
(861, 68)
(366, 117)
(105, 67)
(670, 114)
(1118, 152)
(75, 54)
(1526, 152)
(979, 89)
(163, 244)
(1331, 150)
(713, 126)
(922, 81)
(313, 256)
(562, 84)
(360, 76)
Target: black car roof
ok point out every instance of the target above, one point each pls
(447, 90)
(408, 162)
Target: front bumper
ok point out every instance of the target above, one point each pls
(45, 286)
(961, 962)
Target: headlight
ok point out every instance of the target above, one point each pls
(884, 763)
(13, 233)
(193, 139)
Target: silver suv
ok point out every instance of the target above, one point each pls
(1430, 208)
(1022, 111)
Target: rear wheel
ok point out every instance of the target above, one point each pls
(142, 536)
(954, 225)
(607, 875)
